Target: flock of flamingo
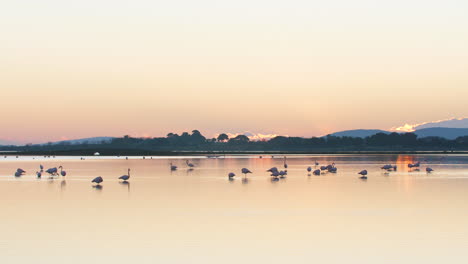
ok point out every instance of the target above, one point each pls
(275, 173)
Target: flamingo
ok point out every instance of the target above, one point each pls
(282, 174)
(62, 172)
(363, 174)
(332, 169)
(125, 177)
(189, 164)
(97, 180)
(275, 174)
(273, 169)
(52, 171)
(245, 171)
(387, 167)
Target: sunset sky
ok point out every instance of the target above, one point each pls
(74, 69)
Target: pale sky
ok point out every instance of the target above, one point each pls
(74, 69)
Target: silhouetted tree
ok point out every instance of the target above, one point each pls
(223, 137)
(239, 139)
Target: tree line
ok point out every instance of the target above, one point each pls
(195, 141)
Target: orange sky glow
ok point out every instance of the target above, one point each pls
(298, 68)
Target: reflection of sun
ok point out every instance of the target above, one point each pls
(402, 164)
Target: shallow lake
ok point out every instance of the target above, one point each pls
(199, 216)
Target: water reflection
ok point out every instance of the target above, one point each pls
(427, 211)
(63, 184)
(125, 184)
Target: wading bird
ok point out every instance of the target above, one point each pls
(273, 169)
(429, 170)
(316, 172)
(62, 172)
(173, 167)
(283, 174)
(245, 171)
(38, 174)
(363, 174)
(284, 163)
(125, 177)
(52, 171)
(189, 164)
(231, 175)
(97, 180)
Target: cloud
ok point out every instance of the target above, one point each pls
(461, 122)
(253, 136)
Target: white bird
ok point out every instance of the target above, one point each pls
(97, 180)
(245, 171)
(363, 174)
(125, 177)
(189, 164)
(62, 172)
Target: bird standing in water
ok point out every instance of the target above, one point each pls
(363, 174)
(245, 171)
(97, 180)
(125, 177)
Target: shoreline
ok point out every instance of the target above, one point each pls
(220, 153)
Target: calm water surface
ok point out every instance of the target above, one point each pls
(200, 216)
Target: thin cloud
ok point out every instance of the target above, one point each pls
(253, 136)
(414, 127)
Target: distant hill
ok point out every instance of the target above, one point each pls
(444, 132)
(91, 140)
(361, 133)
(8, 143)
